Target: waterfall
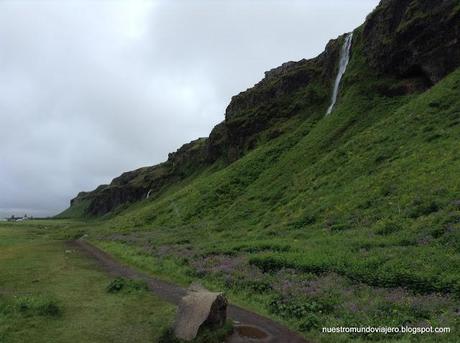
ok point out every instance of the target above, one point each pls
(344, 58)
(148, 194)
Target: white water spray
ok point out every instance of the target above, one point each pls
(148, 194)
(344, 59)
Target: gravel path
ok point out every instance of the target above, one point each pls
(246, 320)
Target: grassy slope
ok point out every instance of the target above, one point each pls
(367, 194)
(47, 295)
(75, 211)
(379, 174)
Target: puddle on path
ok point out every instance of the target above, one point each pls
(250, 332)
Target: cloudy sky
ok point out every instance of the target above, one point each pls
(89, 89)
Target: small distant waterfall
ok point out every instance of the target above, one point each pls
(148, 194)
(344, 59)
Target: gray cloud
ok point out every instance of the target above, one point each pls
(91, 89)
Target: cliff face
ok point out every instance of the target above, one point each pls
(414, 38)
(282, 94)
(417, 40)
(145, 182)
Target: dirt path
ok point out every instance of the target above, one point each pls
(275, 332)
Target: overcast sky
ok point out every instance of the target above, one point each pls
(90, 89)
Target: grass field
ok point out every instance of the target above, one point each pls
(50, 293)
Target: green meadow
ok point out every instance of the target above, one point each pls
(51, 293)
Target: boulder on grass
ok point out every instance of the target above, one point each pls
(199, 308)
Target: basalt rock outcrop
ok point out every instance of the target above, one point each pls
(414, 38)
(283, 93)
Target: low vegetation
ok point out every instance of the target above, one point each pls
(50, 293)
(126, 285)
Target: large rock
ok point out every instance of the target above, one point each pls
(199, 308)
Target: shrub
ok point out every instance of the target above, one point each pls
(387, 227)
(116, 285)
(262, 247)
(295, 308)
(311, 321)
(256, 286)
(37, 305)
(339, 227)
(269, 264)
(422, 207)
(49, 308)
(126, 285)
(301, 223)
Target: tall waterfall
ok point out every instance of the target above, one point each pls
(344, 59)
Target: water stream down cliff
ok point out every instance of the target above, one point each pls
(344, 59)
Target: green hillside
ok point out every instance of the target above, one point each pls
(390, 186)
(349, 219)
